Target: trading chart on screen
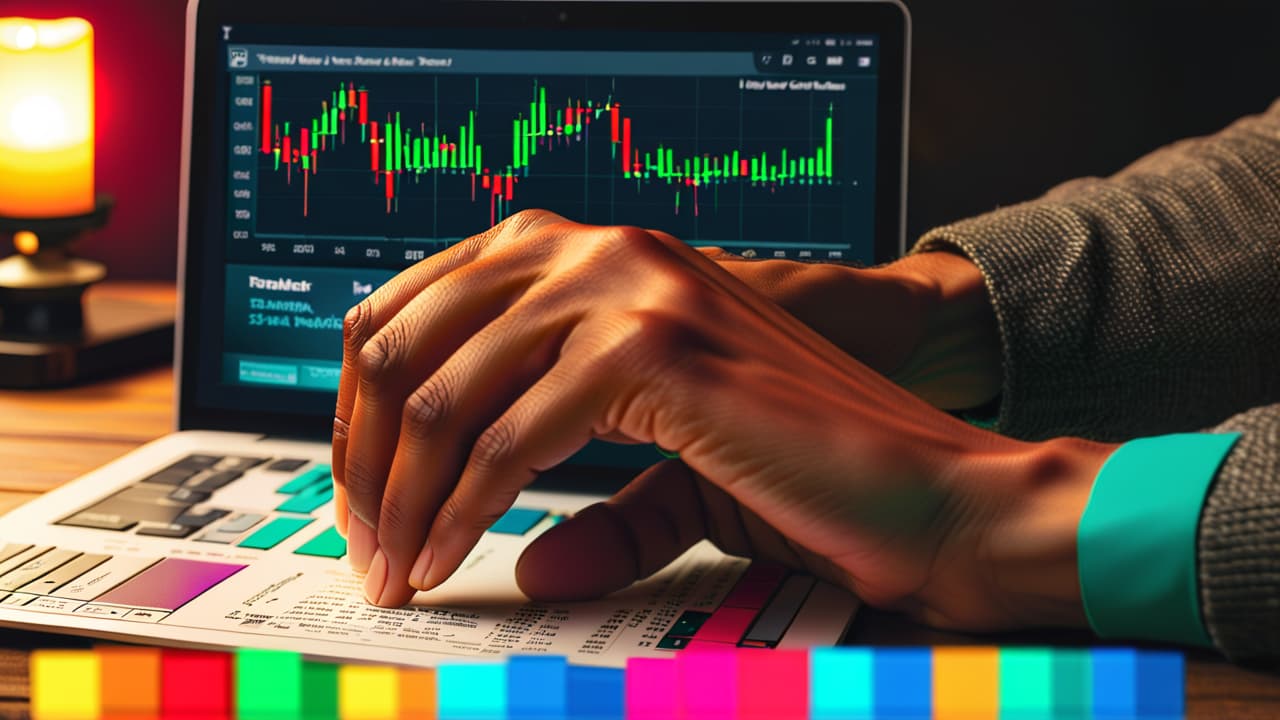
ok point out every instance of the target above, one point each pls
(405, 152)
(348, 164)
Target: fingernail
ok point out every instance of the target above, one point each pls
(418, 576)
(362, 542)
(375, 582)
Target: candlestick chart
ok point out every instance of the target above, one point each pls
(450, 156)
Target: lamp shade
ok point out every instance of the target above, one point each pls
(46, 118)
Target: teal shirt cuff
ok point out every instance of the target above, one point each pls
(1137, 537)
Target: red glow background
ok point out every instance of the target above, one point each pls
(138, 48)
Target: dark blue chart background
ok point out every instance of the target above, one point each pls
(580, 178)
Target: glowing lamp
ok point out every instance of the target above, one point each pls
(50, 332)
(47, 195)
(46, 118)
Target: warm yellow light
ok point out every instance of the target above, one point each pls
(39, 121)
(26, 38)
(46, 117)
(26, 242)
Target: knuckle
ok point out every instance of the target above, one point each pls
(449, 515)
(426, 409)
(684, 292)
(393, 518)
(493, 447)
(355, 325)
(525, 218)
(523, 222)
(377, 358)
(623, 237)
(360, 482)
(607, 246)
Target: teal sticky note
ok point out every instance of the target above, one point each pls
(327, 544)
(518, 521)
(274, 533)
(308, 500)
(317, 474)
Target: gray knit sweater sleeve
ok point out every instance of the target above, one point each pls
(1149, 303)
(1239, 544)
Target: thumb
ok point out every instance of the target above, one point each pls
(611, 544)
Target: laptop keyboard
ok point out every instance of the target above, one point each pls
(175, 501)
(194, 499)
(179, 502)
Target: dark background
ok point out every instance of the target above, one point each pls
(1009, 97)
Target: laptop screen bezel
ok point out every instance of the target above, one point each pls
(200, 184)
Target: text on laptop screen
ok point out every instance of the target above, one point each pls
(349, 163)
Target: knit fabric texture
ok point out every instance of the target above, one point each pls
(1149, 303)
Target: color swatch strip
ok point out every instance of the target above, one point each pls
(846, 683)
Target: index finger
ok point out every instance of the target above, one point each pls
(368, 316)
(361, 323)
(365, 319)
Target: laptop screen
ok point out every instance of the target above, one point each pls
(350, 154)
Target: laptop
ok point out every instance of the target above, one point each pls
(329, 145)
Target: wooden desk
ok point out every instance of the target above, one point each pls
(50, 437)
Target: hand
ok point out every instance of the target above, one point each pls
(925, 320)
(474, 370)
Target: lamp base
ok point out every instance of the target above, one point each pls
(40, 297)
(117, 335)
(41, 287)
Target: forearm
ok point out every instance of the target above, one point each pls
(1030, 549)
(1010, 509)
(1034, 552)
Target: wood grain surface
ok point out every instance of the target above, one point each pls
(50, 437)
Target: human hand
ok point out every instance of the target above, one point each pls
(474, 370)
(924, 320)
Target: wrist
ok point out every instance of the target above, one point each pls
(1031, 550)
